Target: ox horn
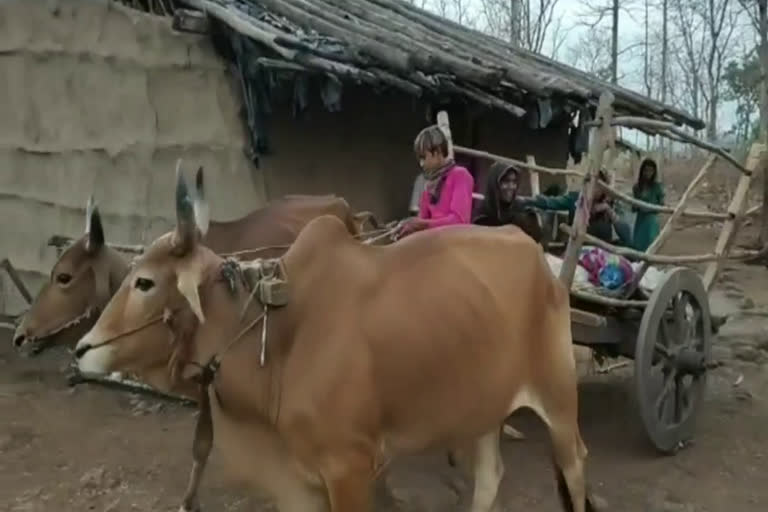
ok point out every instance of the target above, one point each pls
(185, 235)
(202, 211)
(93, 228)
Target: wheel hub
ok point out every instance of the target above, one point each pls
(688, 361)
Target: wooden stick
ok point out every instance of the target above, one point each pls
(600, 141)
(445, 126)
(659, 208)
(755, 158)
(608, 301)
(511, 161)
(639, 122)
(533, 176)
(6, 265)
(612, 367)
(666, 231)
(663, 259)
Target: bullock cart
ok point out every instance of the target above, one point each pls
(661, 318)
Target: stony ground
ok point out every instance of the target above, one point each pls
(91, 448)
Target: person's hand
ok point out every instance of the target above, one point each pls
(411, 226)
(601, 207)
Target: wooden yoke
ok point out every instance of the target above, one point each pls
(602, 138)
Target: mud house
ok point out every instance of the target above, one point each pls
(271, 96)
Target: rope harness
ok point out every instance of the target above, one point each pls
(268, 279)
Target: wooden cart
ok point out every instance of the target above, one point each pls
(669, 333)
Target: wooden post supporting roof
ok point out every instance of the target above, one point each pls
(533, 177)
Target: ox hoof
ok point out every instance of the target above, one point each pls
(195, 508)
(513, 433)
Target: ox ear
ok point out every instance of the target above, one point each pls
(188, 281)
(93, 228)
(185, 235)
(202, 211)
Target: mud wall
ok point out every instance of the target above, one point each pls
(97, 98)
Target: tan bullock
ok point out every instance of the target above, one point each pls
(371, 353)
(89, 272)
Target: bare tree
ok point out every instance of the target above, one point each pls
(525, 23)
(757, 10)
(595, 13)
(592, 53)
(721, 21)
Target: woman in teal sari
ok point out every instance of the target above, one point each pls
(649, 190)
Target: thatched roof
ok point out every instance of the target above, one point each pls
(393, 43)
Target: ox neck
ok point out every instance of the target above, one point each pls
(242, 385)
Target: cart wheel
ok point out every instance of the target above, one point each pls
(671, 358)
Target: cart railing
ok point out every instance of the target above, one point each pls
(604, 138)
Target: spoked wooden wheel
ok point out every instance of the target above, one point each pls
(672, 357)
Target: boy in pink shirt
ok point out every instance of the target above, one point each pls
(447, 197)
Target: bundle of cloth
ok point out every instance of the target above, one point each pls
(599, 271)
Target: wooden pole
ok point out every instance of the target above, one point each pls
(533, 175)
(445, 125)
(601, 139)
(16, 278)
(755, 158)
(511, 161)
(610, 190)
(664, 259)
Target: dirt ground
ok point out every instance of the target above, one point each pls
(93, 448)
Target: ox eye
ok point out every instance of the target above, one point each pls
(144, 284)
(63, 278)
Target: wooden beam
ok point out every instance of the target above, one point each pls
(5, 264)
(608, 301)
(533, 175)
(600, 141)
(519, 163)
(663, 259)
(661, 126)
(755, 159)
(445, 126)
(659, 208)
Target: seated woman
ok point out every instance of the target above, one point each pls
(447, 196)
(646, 189)
(501, 206)
(602, 220)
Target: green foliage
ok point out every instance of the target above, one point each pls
(742, 80)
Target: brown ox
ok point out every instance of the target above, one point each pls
(89, 272)
(378, 352)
